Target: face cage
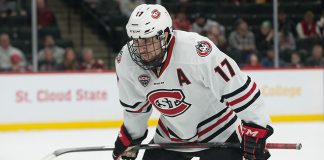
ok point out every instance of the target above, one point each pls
(157, 53)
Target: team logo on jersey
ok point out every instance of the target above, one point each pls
(119, 56)
(203, 48)
(170, 103)
(155, 14)
(144, 79)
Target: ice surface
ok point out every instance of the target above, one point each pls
(35, 145)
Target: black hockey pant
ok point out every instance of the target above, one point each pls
(209, 154)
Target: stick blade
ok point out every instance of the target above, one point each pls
(49, 157)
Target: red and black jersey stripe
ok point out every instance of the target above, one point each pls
(137, 108)
(172, 135)
(145, 110)
(225, 117)
(208, 126)
(130, 106)
(255, 97)
(192, 139)
(212, 117)
(239, 90)
(243, 97)
(215, 124)
(219, 131)
(158, 132)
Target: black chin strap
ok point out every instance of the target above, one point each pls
(169, 35)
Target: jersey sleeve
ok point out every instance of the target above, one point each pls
(136, 109)
(234, 88)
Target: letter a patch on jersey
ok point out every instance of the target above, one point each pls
(182, 77)
(203, 48)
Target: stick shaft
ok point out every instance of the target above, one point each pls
(296, 146)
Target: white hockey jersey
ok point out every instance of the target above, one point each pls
(201, 93)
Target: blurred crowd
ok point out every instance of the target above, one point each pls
(251, 47)
(51, 57)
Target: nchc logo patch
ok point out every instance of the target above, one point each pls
(144, 79)
(170, 103)
(203, 48)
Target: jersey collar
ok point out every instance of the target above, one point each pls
(168, 58)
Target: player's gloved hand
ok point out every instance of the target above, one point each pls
(124, 145)
(130, 153)
(254, 141)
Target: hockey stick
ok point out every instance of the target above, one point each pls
(296, 146)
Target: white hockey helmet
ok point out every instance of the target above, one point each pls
(149, 21)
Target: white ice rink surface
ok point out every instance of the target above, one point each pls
(35, 145)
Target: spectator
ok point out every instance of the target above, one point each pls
(127, 6)
(307, 28)
(264, 40)
(183, 2)
(287, 44)
(260, 1)
(295, 60)
(316, 58)
(6, 53)
(217, 37)
(92, 3)
(242, 41)
(253, 62)
(268, 61)
(285, 23)
(320, 24)
(69, 62)
(203, 24)
(108, 8)
(286, 41)
(89, 62)
(45, 17)
(181, 22)
(7, 8)
(48, 63)
(49, 43)
(16, 65)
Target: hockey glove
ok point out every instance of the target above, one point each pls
(124, 145)
(254, 140)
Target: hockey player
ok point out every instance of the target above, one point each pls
(200, 92)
